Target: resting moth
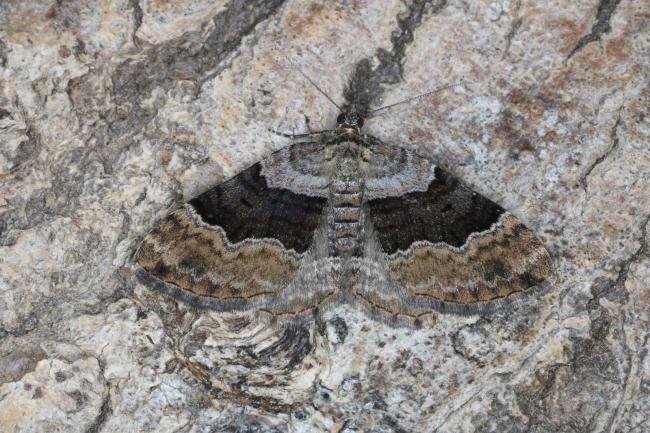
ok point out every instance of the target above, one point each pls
(339, 216)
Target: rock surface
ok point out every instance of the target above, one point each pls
(112, 111)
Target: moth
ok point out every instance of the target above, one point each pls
(339, 216)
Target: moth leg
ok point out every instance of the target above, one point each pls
(310, 134)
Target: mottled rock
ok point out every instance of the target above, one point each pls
(111, 112)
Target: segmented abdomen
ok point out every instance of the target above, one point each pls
(346, 215)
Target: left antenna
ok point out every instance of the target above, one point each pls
(320, 90)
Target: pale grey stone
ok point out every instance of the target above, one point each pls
(111, 112)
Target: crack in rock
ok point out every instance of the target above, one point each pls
(3, 53)
(606, 9)
(516, 24)
(613, 146)
(366, 83)
(105, 411)
(641, 251)
(137, 19)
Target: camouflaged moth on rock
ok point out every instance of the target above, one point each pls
(339, 216)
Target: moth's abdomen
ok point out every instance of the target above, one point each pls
(345, 212)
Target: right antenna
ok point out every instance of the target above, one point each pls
(378, 111)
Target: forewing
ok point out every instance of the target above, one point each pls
(244, 242)
(450, 248)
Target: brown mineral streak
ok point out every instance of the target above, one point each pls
(198, 259)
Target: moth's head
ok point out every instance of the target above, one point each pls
(349, 121)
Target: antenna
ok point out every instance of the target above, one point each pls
(414, 98)
(320, 90)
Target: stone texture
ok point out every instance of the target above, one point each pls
(112, 111)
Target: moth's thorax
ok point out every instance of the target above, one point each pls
(349, 122)
(348, 130)
(348, 152)
(345, 217)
